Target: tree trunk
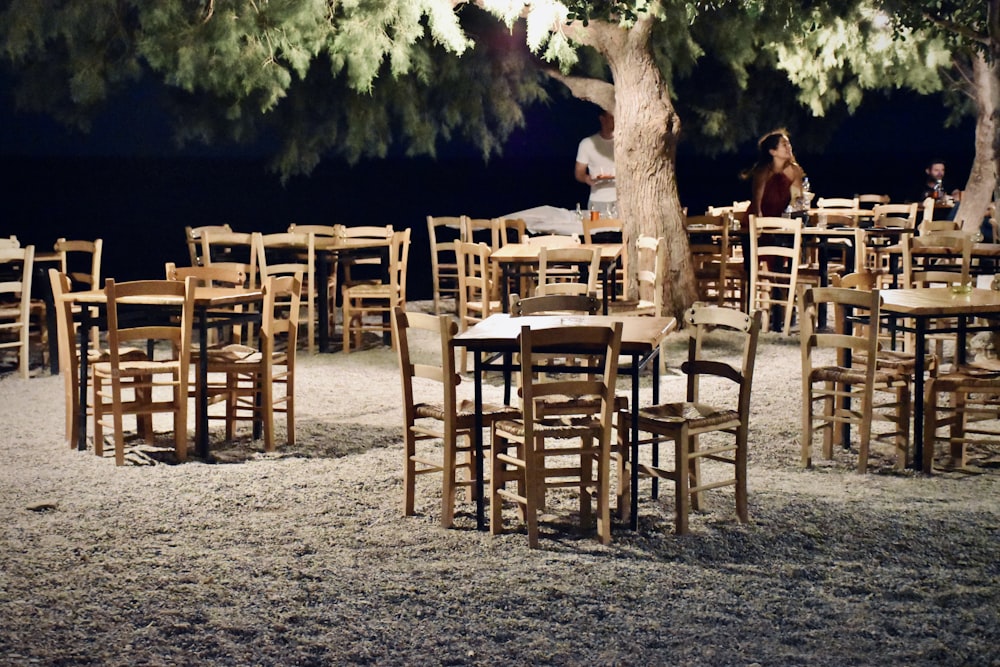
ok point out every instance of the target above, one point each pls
(646, 132)
(983, 177)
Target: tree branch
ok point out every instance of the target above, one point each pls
(958, 29)
(209, 10)
(597, 91)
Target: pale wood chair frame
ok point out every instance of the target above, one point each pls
(193, 239)
(764, 280)
(444, 263)
(846, 381)
(15, 315)
(365, 299)
(444, 418)
(683, 423)
(146, 377)
(520, 450)
(251, 374)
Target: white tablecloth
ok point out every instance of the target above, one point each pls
(549, 220)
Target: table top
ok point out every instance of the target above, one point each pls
(978, 250)
(203, 296)
(939, 301)
(526, 252)
(499, 332)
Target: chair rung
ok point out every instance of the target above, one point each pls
(712, 485)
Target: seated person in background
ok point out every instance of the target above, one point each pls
(934, 189)
(776, 176)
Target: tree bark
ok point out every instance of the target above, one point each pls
(646, 132)
(982, 183)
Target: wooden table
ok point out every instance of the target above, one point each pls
(214, 307)
(979, 251)
(498, 335)
(924, 305)
(518, 259)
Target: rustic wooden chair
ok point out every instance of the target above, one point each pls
(443, 417)
(193, 239)
(476, 288)
(845, 387)
(442, 232)
(367, 299)
(685, 422)
(576, 266)
(775, 261)
(252, 373)
(16, 271)
(574, 440)
(141, 312)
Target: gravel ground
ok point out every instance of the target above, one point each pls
(303, 558)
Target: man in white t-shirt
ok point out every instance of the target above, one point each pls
(595, 166)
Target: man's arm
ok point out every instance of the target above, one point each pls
(581, 174)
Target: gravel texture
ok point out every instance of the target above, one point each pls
(302, 557)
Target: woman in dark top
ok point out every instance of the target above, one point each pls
(777, 177)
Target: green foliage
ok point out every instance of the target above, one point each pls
(610, 11)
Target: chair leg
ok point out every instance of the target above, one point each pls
(681, 487)
(742, 511)
(604, 494)
(448, 472)
(865, 432)
(807, 419)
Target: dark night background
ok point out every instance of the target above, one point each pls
(126, 182)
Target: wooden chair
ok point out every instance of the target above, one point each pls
(610, 230)
(324, 232)
(512, 230)
(481, 230)
(719, 270)
(575, 266)
(361, 300)
(252, 373)
(551, 241)
(904, 215)
(846, 387)
(76, 255)
(16, 271)
(775, 257)
(553, 304)
(575, 440)
(877, 200)
(443, 417)
(193, 239)
(476, 288)
(684, 423)
(292, 254)
(230, 247)
(969, 415)
(837, 202)
(364, 269)
(444, 264)
(129, 387)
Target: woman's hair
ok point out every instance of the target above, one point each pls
(765, 145)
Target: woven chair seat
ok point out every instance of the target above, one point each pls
(697, 415)
(898, 362)
(568, 426)
(856, 375)
(955, 381)
(465, 414)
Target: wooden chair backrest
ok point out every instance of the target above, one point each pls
(883, 212)
(554, 263)
(79, 254)
(192, 237)
(550, 304)
(837, 202)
